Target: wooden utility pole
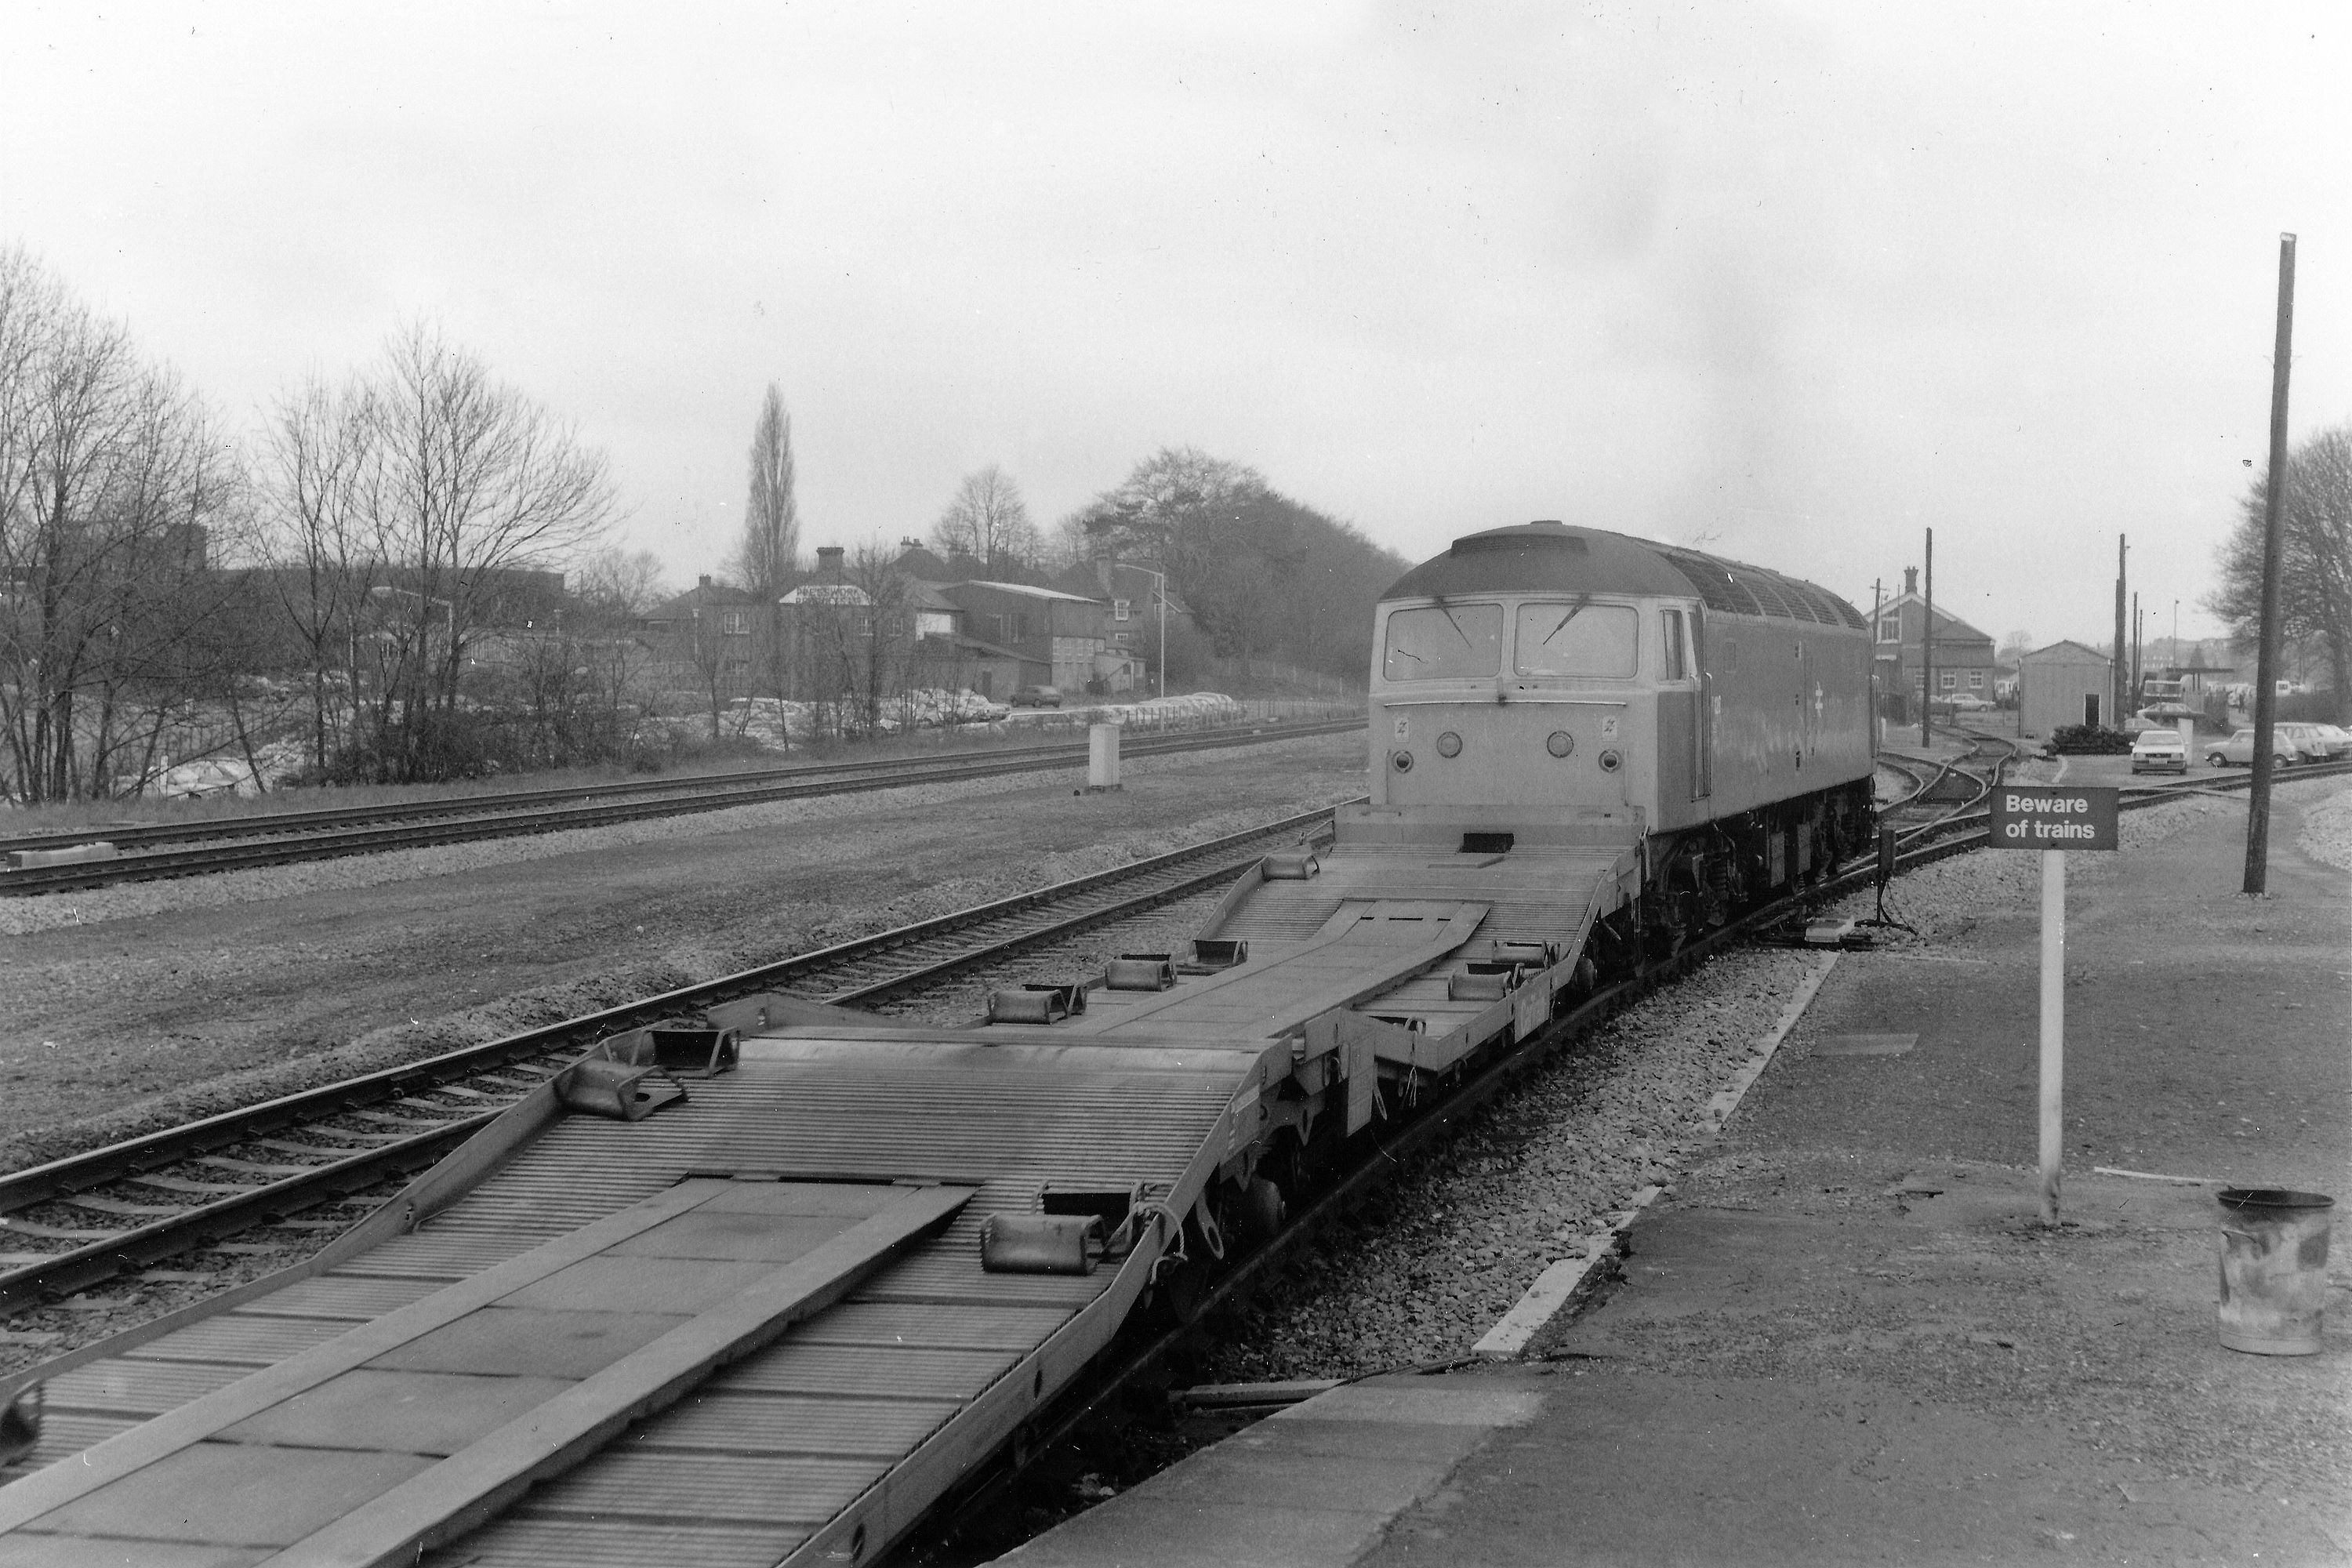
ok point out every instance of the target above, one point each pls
(1878, 608)
(2115, 685)
(2258, 801)
(1927, 645)
(2135, 681)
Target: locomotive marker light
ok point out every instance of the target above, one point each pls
(2053, 818)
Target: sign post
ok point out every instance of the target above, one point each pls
(2053, 818)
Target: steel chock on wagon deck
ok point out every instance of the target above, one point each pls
(1140, 971)
(2273, 1269)
(1036, 1003)
(1295, 866)
(681, 1050)
(1041, 1243)
(1212, 953)
(20, 1425)
(623, 1091)
(1481, 983)
(694, 1052)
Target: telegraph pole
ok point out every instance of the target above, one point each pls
(2135, 682)
(1878, 608)
(2258, 802)
(2115, 715)
(1927, 645)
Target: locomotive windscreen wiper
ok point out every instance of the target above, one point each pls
(1573, 611)
(1457, 627)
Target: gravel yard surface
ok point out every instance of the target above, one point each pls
(136, 1007)
(2327, 833)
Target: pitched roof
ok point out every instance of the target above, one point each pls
(2083, 655)
(678, 606)
(1032, 590)
(1947, 624)
(924, 566)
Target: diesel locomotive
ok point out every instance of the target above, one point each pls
(1543, 683)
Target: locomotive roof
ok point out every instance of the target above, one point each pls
(1552, 557)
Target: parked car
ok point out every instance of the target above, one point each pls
(1037, 697)
(2338, 739)
(2311, 740)
(2238, 751)
(2158, 751)
(1961, 702)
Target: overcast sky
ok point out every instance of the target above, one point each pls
(1793, 282)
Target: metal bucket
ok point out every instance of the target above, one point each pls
(2273, 1269)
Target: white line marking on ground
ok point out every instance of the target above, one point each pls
(1558, 1284)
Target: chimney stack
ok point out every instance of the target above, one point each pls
(828, 559)
(706, 580)
(1910, 579)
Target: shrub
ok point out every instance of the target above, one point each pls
(2089, 741)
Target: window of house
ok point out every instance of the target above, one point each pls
(735, 623)
(1947, 679)
(1976, 679)
(1120, 637)
(1890, 629)
(1118, 609)
(1677, 668)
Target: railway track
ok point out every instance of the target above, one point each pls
(77, 1222)
(119, 1210)
(186, 849)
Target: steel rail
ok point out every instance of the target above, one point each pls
(102, 1257)
(260, 824)
(270, 848)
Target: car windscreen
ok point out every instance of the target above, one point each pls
(1575, 636)
(1443, 640)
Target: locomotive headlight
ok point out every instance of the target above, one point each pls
(1610, 761)
(1449, 744)
(1559, 742)
(1401, 761)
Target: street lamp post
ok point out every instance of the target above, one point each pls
(1159, 591)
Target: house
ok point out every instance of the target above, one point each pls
(1146, 613)
(1069, 634)
(713, 635)
(2063, 684)
(1963, 661)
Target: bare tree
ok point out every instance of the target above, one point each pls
(622, 583)
(770, 552)
(406, 506)
(882, 663)
(988, 521)
(115, 486)
(2315, 560)
(322, 474)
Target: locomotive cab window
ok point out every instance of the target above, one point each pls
(1443, 640)
(1576, 637)
(1678, 663)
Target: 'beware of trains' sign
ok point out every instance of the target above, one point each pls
(2054, 816)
